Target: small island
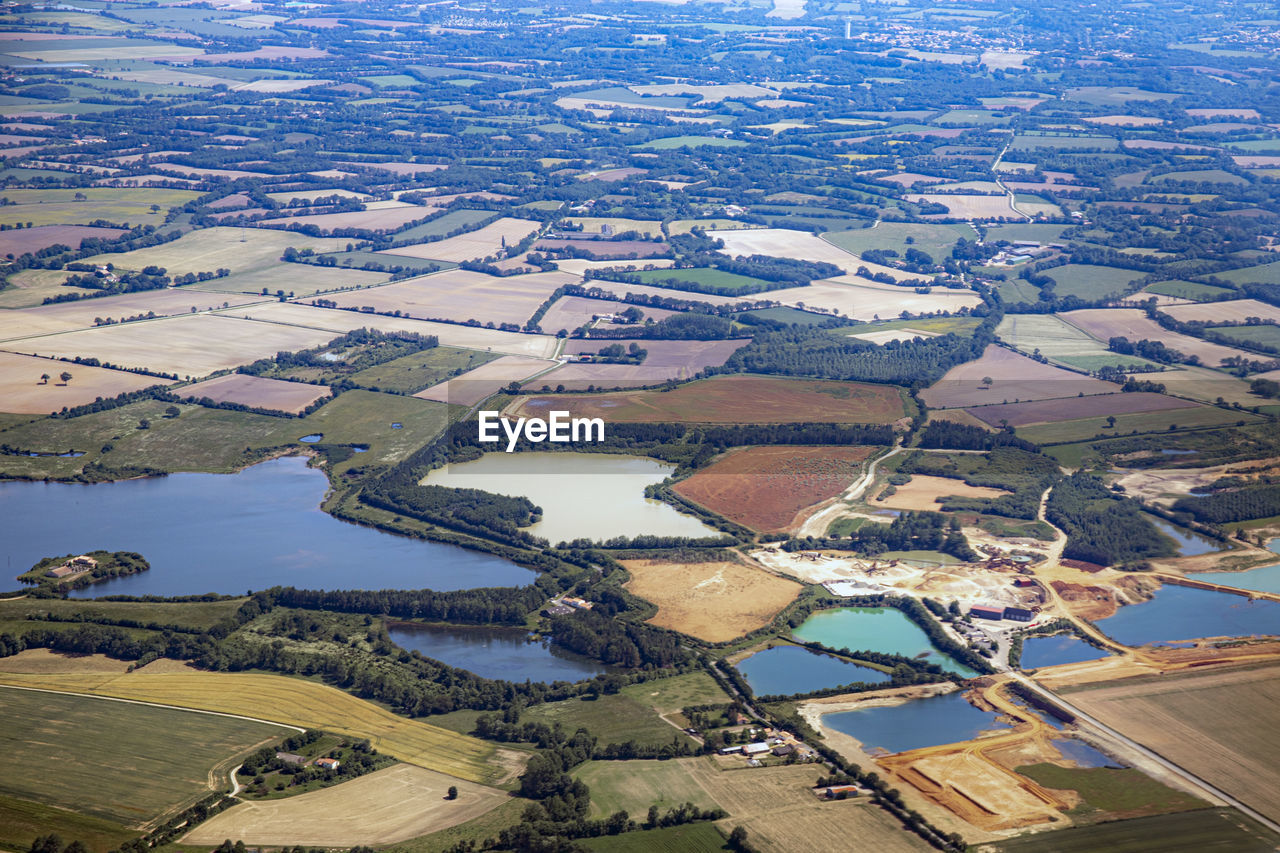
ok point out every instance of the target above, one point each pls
(75, 571)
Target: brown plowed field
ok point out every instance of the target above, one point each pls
(257, 392)
(764, 487)
(1013, 377)
(1075, 408)
(711, 601)
(734, 400)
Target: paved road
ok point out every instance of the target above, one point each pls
(1206, 788)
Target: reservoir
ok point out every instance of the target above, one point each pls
(1189, 542)
(876, 629)
(505, 653)
(1181, 613)
(932, 721)
(784, 670)
(583, 495)
(228, 533)
(1264, 579)
(1051, 651)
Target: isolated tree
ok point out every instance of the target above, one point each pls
(986, 380)
(453, 793)
(44, 379)
(1111, 421)
(65, 377)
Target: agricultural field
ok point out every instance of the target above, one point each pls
(704, 276)
(1072, 408)
(28, 288)
(924, 493)
(420, 370)
(764, 487)
(485, 380)
(1106, 323)
(801, 245)
(713, 601)
(43, 236)
(22, 821)
(633, 786)
(382, 219)
(188, 346)
(463, 218)
(288, 701)
(972, 206)
(1267, 336)
(1088, 281)
(934, 239)
(257, 392)
(736, 400)
(459, 296)
(689, 838)
(1187, 290)
(334, 322)
(862, 299)
(80, 744)
(571, 312)
(1261, 274)
(1109, 792)
(1180, 716)
(208, 249)
(85, 313)
(1059, 341)
(1159, 421)
(620, 289)
(665, 360)
(610, 719)
(1224, 830)
(481, 243)
(61, 207)
(22, 389)
(294, 279)
(385, 807)
(1229, 311)
(1013, 378)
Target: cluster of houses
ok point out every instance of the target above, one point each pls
(298, 761)
(776, 743)
(74, 566)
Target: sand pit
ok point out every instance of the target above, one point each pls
(393, 804)
(257, 392)
(1014, 377)
(22, 391)
(715, 601)
(924, 493)
(473, 245)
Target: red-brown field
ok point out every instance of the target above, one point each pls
(20, 241)
(764, 487)
(257, 392)
(734, 400)
(1074, 408)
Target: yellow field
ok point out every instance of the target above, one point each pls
(22, 391)
(292, 701)
(209, 249)
(473, 245)
(863, 299)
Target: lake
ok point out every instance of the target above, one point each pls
(228, 533)
(876, 629)
(932, 721)
(1263, 579)
(1189, 542)
(784, 670)
(1180, 613)
(504, 653)
(1051, 651)
(582, 495)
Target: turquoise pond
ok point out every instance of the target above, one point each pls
(1179, 613)
(877, 629)
(919, 723)
(1051, 651)
(1264, 579)
(786, 670)
(229, 533)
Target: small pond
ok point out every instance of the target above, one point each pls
(784, 670)
(921, 722)
(505, 653)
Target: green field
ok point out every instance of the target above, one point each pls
(1110, 791)
(236, 249)
(1199, 176)
(679, 691)
(22, 821)
(672, 142)
(1015, 290)
(81, 745)
(690, 838)
(633, 786)
(17, 614)
(61, 207)
(357, 260)
(464, 218)
(388, 80)
(705, 278)
(1064, 143)
(1088, 281)
(1059, 341)
(411, 373)
(1217, 830)
(935, 240)
(611, 719)
(788, 315)
(1187, 290)
(1261, 274)
(1267, 335)
(1072, 431)
(1026, 231)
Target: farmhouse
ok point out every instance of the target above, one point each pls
(327, 763)
(982, 611)
(73, 566)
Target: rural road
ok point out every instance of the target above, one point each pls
(1013, 204)
(236, 787)
(816, 524)
(1204, 786)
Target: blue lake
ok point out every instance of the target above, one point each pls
(915, 724)
(1180, 613)
(1051, 651)
(876, 629)
(1189, 542)
(1264, 579)
(504, 653)
(228, 533)
(784, 670)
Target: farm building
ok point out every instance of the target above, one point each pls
(839, 792)
(1024, 582)
(784, 749)
(291, 758)
(982, 611)
(327, 763)
(59, 572)
(82, 562)
(1017, 614)
(577, 603)
(557, 609)
(755, 748)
